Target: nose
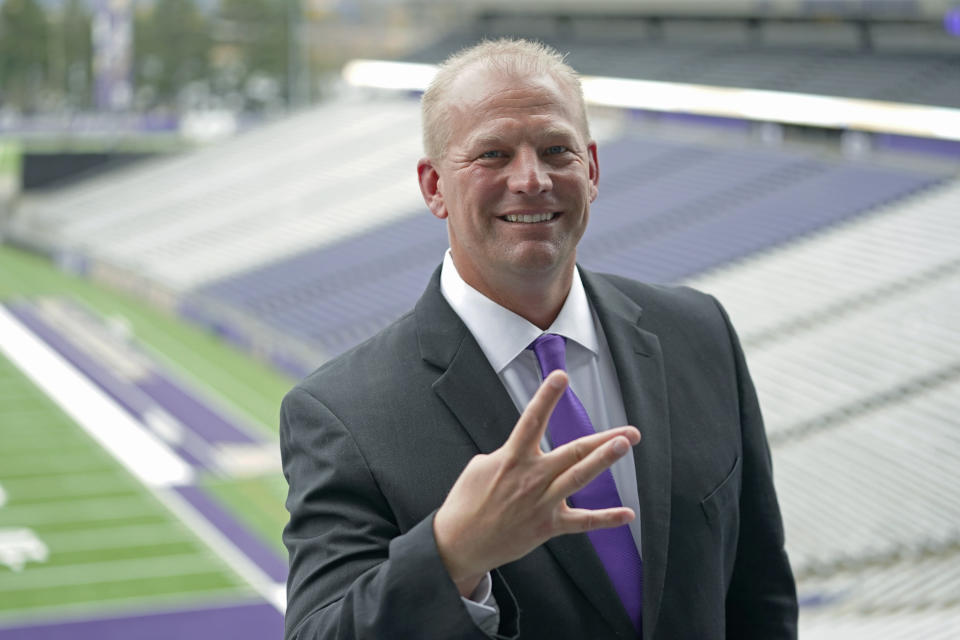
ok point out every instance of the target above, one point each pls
(528, 173)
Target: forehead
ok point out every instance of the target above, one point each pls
(485, 102)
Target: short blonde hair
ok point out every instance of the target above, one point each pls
(514, 57)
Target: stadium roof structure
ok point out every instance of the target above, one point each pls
(886, 76)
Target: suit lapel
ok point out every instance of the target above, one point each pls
(471, 389)
(639, 363)
(467, 383)
(473, 392)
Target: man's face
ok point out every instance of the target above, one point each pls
(516, 181)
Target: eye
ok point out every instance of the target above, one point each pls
(555, 149)
(492, 154)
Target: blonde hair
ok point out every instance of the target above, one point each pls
(513, 57)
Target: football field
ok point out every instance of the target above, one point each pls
(140, 493)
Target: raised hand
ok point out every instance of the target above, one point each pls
(508, 502)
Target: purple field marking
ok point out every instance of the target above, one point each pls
(252, 547)
(156, 387)
(240, 622)
(128, 397)
(185, 407)
(120, 391)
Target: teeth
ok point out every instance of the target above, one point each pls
(537, 217)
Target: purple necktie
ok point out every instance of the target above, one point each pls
(615, 547)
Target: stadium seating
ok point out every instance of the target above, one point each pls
(857, 295)
(295, 184)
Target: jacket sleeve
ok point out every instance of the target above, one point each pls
(761, 600)
(353, 573)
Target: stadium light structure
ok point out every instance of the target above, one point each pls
(833, 112)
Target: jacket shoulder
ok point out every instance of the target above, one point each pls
(373, 362)
(665, 299)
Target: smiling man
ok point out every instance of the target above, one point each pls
(468, 472)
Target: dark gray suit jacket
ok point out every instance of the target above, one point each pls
(373, 440)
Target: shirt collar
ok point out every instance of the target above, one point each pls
(502, 334)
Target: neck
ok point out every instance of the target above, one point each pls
(538, 300)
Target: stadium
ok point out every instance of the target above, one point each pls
(798, 160)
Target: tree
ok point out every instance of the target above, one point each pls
(24, 41)
(258, 31)
(73, 33)
(171, 49)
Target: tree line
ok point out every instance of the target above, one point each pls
(235, 56)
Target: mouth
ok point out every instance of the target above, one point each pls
(530, 218)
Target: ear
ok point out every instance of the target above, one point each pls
(594, 170)
(430, 187)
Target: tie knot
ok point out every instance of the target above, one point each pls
(551, 352)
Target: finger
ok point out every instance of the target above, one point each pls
(581, 520)
(580, 474)
(573, 452)
(532, 424)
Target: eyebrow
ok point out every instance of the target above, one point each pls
(486, 140)
(493, 140)
(559, 132)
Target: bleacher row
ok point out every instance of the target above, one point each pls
(894, 471)
(843, 278)
(896, 625)
(913, 581)
(880, 294)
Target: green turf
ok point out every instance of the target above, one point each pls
(104, 591)
(10, 158)
(89, 512)
(110, 481)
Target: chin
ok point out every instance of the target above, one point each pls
(541, 262)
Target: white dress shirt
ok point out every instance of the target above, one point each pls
(503, 337)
